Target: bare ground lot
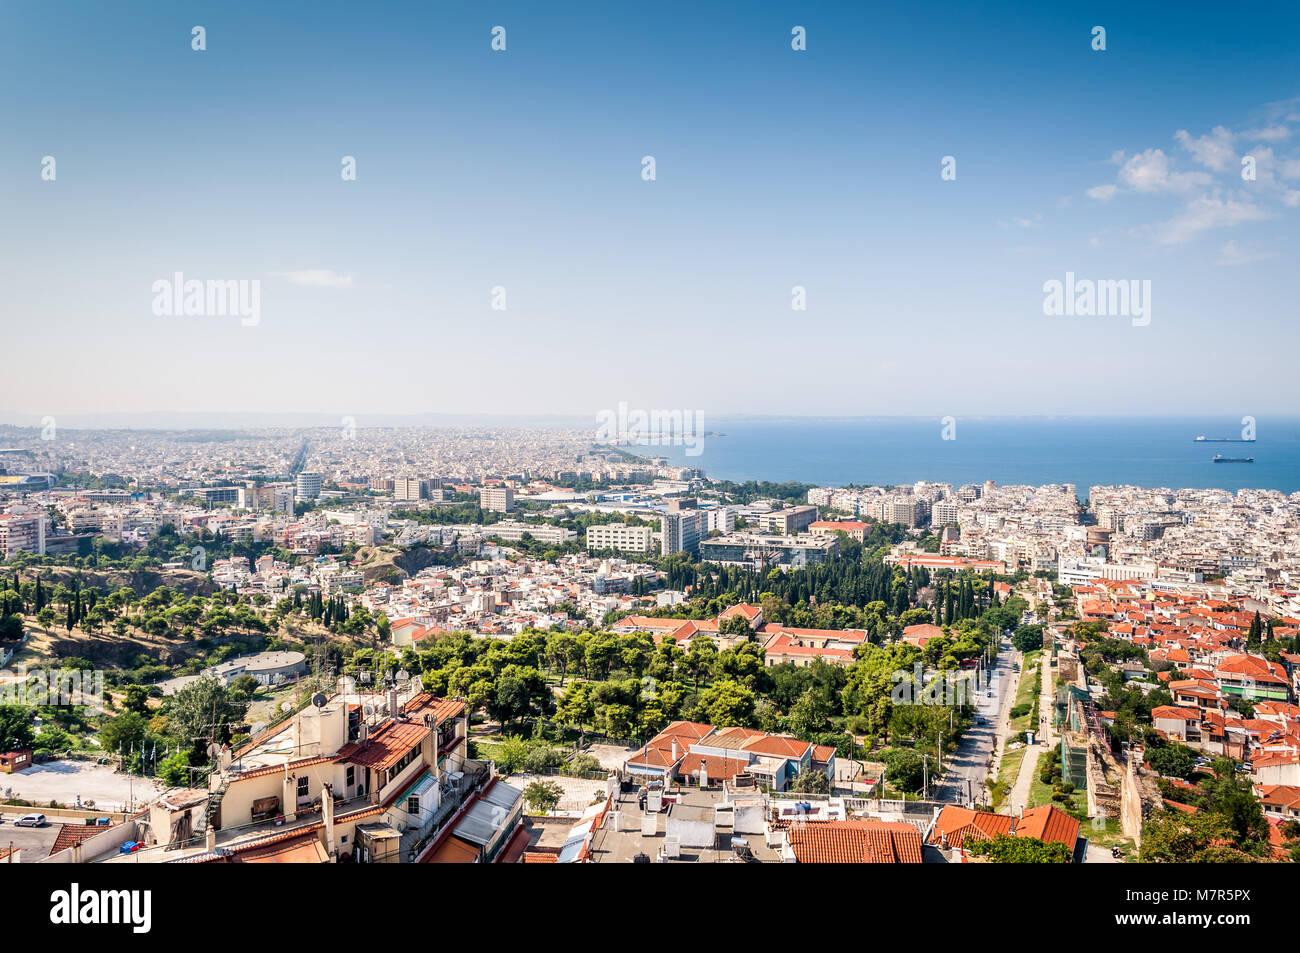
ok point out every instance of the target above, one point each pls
(63, 781)
(611, 757)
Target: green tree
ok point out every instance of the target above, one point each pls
(543, 796)
(1174, 837)
(1027, 638)
(15, 727)
(1011, 849)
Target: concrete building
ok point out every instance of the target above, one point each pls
(621, 537)
(679, 532)
(794, 519)
(22, 533)
(409, 488)
(753, 549)
(307, 486)
(497, 499)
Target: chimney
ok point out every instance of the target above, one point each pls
(289, 801)
(676, 750)
(210, 842)
(392, 701)
(327, 816)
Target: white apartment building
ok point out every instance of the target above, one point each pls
(497, 499)
(307, 486)
(624, 538)
(22, 533)
(512, 531)
(944, 512)
(723, 518)
(409, 488)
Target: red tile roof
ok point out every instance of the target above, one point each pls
(70, 834)
(855, 842)
(1048, 823)
(386, 746)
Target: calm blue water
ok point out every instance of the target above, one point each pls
(1151, 452)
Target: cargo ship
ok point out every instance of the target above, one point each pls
(1220, 458)
(1205, 439)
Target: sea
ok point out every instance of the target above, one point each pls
(1085, 451)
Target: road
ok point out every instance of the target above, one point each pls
(969, 764)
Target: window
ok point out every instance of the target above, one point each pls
(303, 790)
(412, 805)
(351, 776)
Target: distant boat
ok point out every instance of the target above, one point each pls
(1220, 458)
(1205, 439)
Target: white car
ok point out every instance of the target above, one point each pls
(30, 820)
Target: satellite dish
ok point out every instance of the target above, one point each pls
(286, 706)
(403, 676)
(213, 749)
(367, 709)
(259, 727)
(319, 699)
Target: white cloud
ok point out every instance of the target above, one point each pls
(1149, 172)
(1234, 254)
(1265, 134)
(1102, 193)
(1214, 151)
(317, 278)
(1203, 214)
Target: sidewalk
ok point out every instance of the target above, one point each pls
(1019, 797)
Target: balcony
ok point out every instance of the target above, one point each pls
(447, 743)
(455, 791)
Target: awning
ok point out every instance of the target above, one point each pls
(423, 785)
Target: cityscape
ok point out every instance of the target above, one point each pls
(430, 645)
(711, 433)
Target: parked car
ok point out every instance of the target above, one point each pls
(30, 820)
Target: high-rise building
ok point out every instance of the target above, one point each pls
(945, 512)
(497, 499)
(722, 519)
(307, 486)
(680, 532)
(409, 488)
(22, 533)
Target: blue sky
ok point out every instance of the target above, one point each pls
(775, 168)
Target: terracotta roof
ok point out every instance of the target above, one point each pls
(1174, 712)
(717, 768)
(1048, 823)
(70, 834)
(1280, 795)
(955, 824)
(386, 746)
(304, 849)
(855, 842)
(441, 708)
